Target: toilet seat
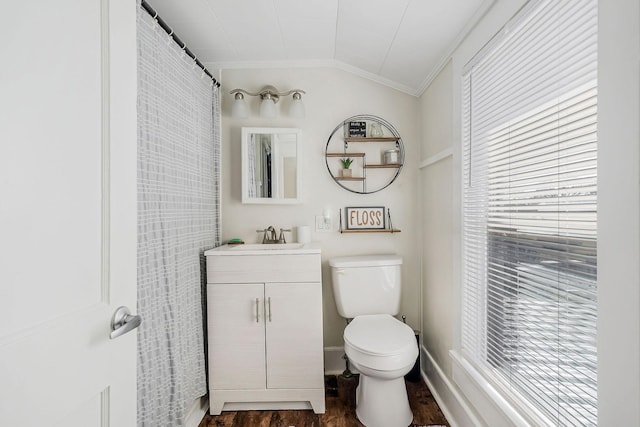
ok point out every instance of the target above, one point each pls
(380, 342)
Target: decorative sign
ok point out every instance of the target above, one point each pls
(369, 218)
(357, 129)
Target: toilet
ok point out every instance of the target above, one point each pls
(383, 349)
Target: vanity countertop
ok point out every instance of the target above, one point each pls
(265, 249)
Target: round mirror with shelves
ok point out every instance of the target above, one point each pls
(375, 149)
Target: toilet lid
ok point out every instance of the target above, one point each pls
(379, 334)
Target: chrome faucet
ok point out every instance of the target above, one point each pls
(282, 239)
(270, 236)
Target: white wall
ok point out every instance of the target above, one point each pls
(430, 127)
(436, 191)
(618, 216)
(332, 96)
(619, 213)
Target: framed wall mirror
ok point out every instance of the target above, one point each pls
(271, 159)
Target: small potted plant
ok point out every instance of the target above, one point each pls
(346, 164)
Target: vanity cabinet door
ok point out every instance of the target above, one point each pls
(236, 336)
(293, 317)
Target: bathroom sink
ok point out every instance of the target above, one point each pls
(265, 249)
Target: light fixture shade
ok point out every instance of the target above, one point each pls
(269, 96)
(296, 109)
(267, 108)
(239, 109)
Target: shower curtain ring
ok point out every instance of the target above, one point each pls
(155, 20)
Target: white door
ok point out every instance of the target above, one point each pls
(294, 335)
(67, 212)
(236, 336)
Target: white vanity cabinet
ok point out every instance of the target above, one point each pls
(264, 315)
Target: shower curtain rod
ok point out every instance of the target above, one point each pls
(151, 11)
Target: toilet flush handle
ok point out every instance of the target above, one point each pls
(340, 271)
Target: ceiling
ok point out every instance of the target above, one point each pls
(399, 43)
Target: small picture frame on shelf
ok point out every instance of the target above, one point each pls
(365, 218)
(356, 129)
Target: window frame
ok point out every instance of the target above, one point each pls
(474, 377)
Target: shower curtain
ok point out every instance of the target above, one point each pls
(178, 218)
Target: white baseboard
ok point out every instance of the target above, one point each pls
(196, 413)
(449, 399)
(498, 406)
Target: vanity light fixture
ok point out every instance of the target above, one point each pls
(239, 108)
(296, 109)
(269, 96)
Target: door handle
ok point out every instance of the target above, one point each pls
(257, 310)
(123, 321)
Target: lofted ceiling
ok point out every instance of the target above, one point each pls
(400, 43)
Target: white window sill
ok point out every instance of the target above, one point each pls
(496, 405)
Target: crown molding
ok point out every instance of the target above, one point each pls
(446, 57)
(376, 78)
(284, 63)
(313, 63)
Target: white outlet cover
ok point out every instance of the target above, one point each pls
(323, 224)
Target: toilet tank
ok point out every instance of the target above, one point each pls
(366, 284)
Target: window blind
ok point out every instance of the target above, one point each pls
(530, 210)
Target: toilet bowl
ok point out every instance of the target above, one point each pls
(383, 350)
(367, 289)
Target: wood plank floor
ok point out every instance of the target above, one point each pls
(340, 410)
